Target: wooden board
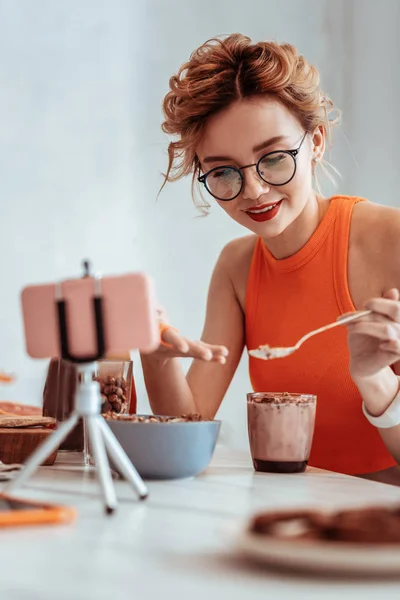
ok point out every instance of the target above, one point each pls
(15, 408)
(28, 421)
(17, 444)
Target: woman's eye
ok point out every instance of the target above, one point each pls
(222, 173)
(271, 161)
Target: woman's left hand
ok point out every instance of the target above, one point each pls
(374, 340)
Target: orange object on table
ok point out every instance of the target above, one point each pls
(6, 378)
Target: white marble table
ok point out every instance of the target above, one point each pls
(174, 545)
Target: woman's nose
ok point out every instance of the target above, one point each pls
(254, 186)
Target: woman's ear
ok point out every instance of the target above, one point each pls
(318, 144)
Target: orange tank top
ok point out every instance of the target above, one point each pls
(287, 298)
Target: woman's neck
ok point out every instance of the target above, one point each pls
(297, 234)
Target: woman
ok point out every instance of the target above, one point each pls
(251, 124)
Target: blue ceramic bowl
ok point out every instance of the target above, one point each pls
(167, 450)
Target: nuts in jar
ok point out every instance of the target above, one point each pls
(114, 394)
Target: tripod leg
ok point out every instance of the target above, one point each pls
(86, 453)
(121, 460)
(43, 451)
(101, 461)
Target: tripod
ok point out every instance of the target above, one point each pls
(100, 437)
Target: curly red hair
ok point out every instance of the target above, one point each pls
(222, 71)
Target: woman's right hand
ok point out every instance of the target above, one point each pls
(176, 345)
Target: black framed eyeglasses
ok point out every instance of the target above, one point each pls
(275, 168)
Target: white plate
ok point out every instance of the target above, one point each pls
(333, 557)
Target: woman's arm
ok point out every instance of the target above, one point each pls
(211, 372)
(378, 392)
(374, 345)
(374, 342)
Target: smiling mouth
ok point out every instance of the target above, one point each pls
(262, 209)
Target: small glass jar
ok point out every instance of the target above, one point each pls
(60, 388)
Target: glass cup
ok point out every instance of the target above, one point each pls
(281, 429)
(117, 388)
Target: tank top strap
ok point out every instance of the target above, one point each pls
(253, 282)
(343, 208)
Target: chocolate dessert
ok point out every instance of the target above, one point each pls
(373, 525)
(281, 427)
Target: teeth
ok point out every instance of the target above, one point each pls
(262, 210)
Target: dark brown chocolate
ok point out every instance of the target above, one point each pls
(374, 525)
(280, 466)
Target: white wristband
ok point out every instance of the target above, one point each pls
(390, 418)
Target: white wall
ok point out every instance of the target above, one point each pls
(81, 148)
(68, 143)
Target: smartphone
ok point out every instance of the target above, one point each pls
(17, 511)
(129, 315)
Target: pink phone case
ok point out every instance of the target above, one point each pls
(129, 315)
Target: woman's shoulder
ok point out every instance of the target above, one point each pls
(377, 219)
(375, 230)
(237, 254)
(240, 246)
(235, 262)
